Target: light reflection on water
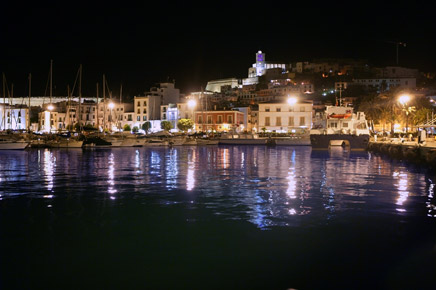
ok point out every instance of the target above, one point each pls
(282, 186)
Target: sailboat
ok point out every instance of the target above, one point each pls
(10, 141)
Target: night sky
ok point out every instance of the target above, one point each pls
(139, 45)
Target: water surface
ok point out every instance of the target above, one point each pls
(220, 217)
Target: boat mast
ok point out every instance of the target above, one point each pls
(121, 105)
(69, 107)
(104, 103)
(80, 97)
(97, 106)
(28, 112)
(51, 80)
(11, 95)
(202, 110)
(121, 93)
(4, 103)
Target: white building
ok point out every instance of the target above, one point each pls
(215, 85)
(13, 117)
(261, 65)
(284, 117)
(167, 92)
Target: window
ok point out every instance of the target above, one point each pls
(302, 121)
(267, 121)
(220, 119)
(139, 103)
(129, 118)
(345, 125)
(278, 121)
(266, 109)
(144, 118)
(278, 109)
(230, 119)
(138, 118)
(209, 119)
(200, 119)
(145, 111)
(139, 111)
(291, 121)
(145, 103)
(164, 116)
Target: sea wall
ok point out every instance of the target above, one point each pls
(407, 151)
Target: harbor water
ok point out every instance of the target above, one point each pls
(215, 217)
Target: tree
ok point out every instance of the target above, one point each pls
(146, 126)
(185, 124)
(127, 128)
(135, 129)
(166, 125)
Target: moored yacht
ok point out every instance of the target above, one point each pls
(339, 126)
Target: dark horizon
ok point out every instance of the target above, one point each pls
(191, 44)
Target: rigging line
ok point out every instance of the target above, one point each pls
(46, 88)
(75, 81)
(110, 92)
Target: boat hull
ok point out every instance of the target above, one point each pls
(13, 145)
(242, 141)
(325, 141)
(304, 141)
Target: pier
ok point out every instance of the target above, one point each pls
(411, 151)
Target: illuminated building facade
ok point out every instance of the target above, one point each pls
(13, 117)
(282, 117)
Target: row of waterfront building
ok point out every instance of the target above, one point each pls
(258, 102)
(113, 115)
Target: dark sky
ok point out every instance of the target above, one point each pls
(192, 42)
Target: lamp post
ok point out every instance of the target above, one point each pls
(191, 104)
(50, 108)
(404, 99)
(292, 101)
(111, 106)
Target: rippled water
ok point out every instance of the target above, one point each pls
(214, 217)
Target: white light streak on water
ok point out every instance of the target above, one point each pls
(49, 164)
(111, 176)
(190, 176)
(402, 186)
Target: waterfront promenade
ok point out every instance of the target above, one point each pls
(412, 151)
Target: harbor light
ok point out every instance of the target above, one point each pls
(292, 101)
(404, 99)
(111, 105)
(50, 107)
(192, 103)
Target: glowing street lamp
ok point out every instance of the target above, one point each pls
(192, 104)
(48, 117)
(404, 99)
(292, 101)
(111, 106)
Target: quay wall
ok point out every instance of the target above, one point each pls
(412, 152)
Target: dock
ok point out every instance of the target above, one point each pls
(411, 151)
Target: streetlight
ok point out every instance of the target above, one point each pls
(111, 106)
(404, 99)
(292, 101)
(191, 104)
(48, 117)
